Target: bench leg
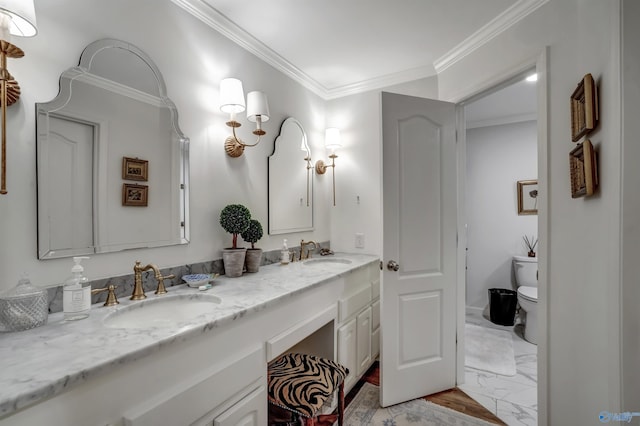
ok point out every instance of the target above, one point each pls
(341, 404)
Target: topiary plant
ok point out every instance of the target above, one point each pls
(253, 233)
(235, 219)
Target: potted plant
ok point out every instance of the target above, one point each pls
(531, 245)
(254, 255)
(234, 219)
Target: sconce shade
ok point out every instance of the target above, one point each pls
(332, 140)
(257, 106)
(22, 16)
(231, 96)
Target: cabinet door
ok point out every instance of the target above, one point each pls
(375, 329)
(347, 353)
(363, 349)
(249, 411)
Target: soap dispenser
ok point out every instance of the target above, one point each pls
(76, 293)
(285, 254)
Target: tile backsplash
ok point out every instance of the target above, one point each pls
(124, 283)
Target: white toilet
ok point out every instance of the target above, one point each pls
(526, 271)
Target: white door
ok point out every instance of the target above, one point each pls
(418, 298)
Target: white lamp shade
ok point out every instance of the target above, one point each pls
(257, 105)
(23, 17)
(332, 140)
(231, 96)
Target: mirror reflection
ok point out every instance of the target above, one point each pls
(290, 181)
(112, 162)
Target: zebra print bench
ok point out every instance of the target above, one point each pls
(301, 384)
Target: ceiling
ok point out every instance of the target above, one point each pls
(341, 47)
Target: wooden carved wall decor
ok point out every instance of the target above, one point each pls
(583, 167)
(584, 108)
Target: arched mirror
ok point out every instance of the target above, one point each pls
(290, 181)
(113, 165)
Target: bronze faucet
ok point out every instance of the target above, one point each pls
(303, 244)
(138, 289)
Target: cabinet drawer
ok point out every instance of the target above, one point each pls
(249, 411)
(194, 397)
(375, 289)
(354, 303)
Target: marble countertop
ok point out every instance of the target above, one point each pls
(45, 361)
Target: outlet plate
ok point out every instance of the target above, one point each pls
(359, 240)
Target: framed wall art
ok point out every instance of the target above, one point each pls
(527, 197)
(135, 195)
(135, 169)
(583, 167)
(584, 108)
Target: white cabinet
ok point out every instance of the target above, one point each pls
(363, 337)
(358, 336)
(375, 329)
(347, 351)
(249, 411)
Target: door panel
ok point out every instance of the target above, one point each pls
(418, 308)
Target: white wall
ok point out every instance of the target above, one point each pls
(193, 59)
(582, 247)
(497, 157)
(359, 165)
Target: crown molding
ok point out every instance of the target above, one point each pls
(496, 26)
(380, 82)
(206, 13)
(201, 10)
(216, 20)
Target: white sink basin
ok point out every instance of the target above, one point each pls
(164, 311)
(326, 260)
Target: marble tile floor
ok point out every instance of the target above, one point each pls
(513, 399)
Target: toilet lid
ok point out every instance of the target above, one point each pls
(529, 293)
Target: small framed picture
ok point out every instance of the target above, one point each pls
(583, 169)
(135, 195)
(527, 197)
(135, 169)
(584, 108)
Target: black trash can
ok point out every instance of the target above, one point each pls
(502, 306)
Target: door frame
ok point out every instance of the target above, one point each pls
(540, 63)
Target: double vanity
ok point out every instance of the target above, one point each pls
(190, 356)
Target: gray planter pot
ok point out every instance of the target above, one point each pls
(253, 259)
(233, 260)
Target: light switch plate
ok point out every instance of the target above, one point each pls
(359, 240)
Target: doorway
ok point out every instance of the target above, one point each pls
(501, 152)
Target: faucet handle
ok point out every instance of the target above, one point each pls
(161, 288)
(112, 300)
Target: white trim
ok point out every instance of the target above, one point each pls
(500, 121)
(379, 82)
(541, 64)
(216, 20)
(496, 26)
(544, 235)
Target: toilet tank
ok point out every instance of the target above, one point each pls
(526, 269)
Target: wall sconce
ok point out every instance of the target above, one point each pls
(332, 142)
(232, 102)
(17, 17)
